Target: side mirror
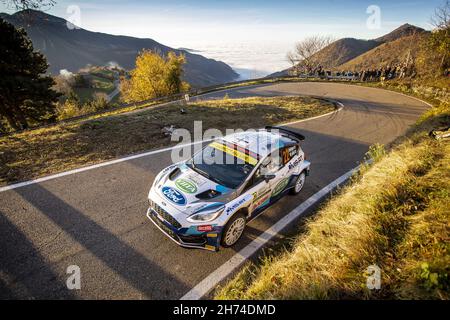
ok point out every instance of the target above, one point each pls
(269, 177)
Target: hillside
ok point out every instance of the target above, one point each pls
(343, 50)
(389, 53)
(74, 49)
(402, 31)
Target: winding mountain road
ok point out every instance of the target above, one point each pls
(95, 218)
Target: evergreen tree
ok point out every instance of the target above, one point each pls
(26, 93)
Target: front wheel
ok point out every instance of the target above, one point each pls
(233, 230)
(299, 183)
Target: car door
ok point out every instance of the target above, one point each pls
(258, 187)
(281, 159)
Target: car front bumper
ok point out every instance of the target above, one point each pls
(183, 237)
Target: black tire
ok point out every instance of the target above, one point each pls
(301, 177)
(229, 241)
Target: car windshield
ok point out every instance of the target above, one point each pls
(221, 165)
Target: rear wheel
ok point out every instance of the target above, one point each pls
(299, 183)
(233, 230)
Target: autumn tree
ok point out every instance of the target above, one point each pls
(440, 37)
(304, 55)
(26, 93)
(64, 84)
(154, 76)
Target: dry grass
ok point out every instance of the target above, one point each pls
(394, 214)
(433, 90)
(66, 146)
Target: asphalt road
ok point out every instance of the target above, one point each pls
(96, 219)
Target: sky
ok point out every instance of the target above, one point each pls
(247, 34)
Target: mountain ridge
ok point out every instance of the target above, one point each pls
(75, 49)
(342, 51)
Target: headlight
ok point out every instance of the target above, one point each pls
(205, 216)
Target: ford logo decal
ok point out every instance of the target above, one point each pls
(174, 195)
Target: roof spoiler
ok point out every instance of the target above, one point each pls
(290, 133)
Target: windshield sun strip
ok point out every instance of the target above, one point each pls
(235, 153)
(246, 151)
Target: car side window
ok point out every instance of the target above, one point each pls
(271, 164)
(259, 174)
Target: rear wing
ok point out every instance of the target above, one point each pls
(287, 132)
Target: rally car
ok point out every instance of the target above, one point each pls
(206, 201)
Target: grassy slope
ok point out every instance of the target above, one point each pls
(426, 61)
(389, 53)
(393, 214)
(66, 146)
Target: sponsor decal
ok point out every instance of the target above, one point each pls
(262, 193)
(235, 153)
(293, 151)
(236, 205)
(186, 186)
(205, 228)
(280, 187)
(261, 198)
(261, 201)
(174, 195)
(294, 164)
(285, 156)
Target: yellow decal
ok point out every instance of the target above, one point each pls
(236, 153)
(286, 156)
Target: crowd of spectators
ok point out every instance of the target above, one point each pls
(398, 71)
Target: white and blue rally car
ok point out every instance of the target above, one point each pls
(206, 201)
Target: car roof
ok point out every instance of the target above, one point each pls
(260, 142)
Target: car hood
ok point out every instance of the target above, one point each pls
(179, 187)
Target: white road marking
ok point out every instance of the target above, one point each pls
(99, 165)
(340, 107)
(217, 276)
(136, 156)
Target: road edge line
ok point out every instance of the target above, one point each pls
(213, 279)
(98, 165)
